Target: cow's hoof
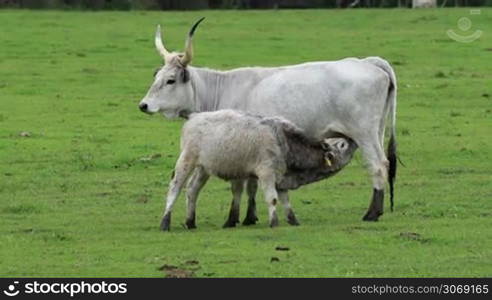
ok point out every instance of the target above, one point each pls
(166, 223)
(372, 216)
(376, 208)
(190, 224)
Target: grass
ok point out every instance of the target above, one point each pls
(81, 194)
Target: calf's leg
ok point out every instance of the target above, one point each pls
(283, 196)
(183, 169)
(195, 184)
(237, 190)
(252, 187)
(267, 183)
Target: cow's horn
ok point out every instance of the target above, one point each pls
(188, 55)
(158, 44)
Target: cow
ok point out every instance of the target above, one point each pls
(235, 146)
(351, 97)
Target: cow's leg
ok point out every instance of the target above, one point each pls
(196, 183)
(377, 164)
(283, 196)
(267, 183)
(182, 171)
(237, 190)
(252, 187)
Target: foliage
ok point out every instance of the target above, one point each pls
(220, 4)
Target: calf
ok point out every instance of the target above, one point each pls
(338, 153)
(237, 146)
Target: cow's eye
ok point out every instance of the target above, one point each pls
(170, 81)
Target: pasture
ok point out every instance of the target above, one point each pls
(83, 172)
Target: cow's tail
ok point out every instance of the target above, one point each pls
(391, 110)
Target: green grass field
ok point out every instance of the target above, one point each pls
(82, 194)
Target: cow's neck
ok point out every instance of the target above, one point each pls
(206, 87)
(216, 90)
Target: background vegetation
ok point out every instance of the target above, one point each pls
(222, 4)
(83, 172)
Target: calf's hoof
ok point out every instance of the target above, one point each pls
(250, 220)
(166, 223)
(274, 221)
(292, 220)
(230, 223)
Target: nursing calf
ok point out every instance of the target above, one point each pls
(338, 153)
(237, 146)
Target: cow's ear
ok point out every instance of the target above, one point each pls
(185, 75)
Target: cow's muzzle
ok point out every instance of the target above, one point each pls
(144, 107)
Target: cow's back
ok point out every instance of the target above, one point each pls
(230, 144)
(321, 96)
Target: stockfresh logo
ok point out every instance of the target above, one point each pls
(465, 33)
(66, 288)
(11, 290)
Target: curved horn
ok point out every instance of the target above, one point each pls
(188, 55)
(158, 43)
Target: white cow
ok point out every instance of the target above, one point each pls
(351, 97)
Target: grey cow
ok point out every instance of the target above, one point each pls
(351, 97)
(236, 146)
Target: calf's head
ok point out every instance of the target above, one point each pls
(338, 152)
(171, 93)
(330, 158)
